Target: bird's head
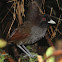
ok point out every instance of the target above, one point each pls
(45, 19)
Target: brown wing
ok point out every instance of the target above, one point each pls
(19, 36)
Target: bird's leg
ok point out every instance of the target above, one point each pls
(23, 50)
(27, 51)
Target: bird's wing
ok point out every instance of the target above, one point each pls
(17, 35)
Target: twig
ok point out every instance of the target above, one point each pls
(48, 39)
(59, 31)
(58, 5)
(12, 13)
(56, 18)
(51, 11)
(53, 35)
(14, 17)
(51, 29)
(7, 13)
(18, 11)
(43, 6)
(49, 32)
(22, 8)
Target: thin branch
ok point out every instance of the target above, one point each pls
(49, 41)
(7, 13)
(14, 17)
(18, 11)
(51, 11)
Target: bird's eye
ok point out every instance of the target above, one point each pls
(44, 19)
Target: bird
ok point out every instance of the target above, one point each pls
(32, 30)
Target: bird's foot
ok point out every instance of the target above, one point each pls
(26, 51)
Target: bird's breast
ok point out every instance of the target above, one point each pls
(36, 34)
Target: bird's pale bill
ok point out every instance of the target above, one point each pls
(51, 21)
